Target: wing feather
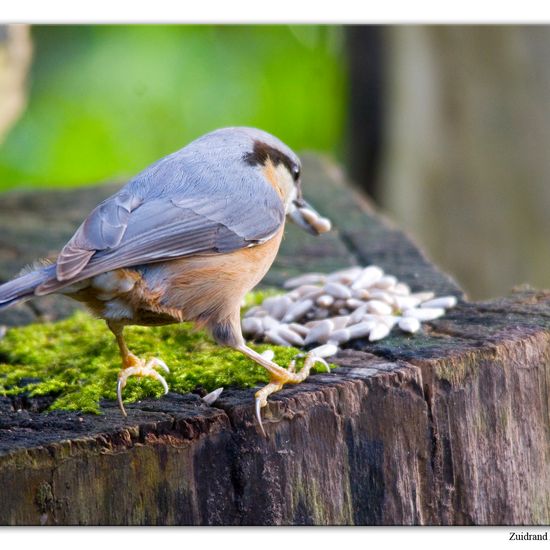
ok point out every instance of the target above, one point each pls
(103, 228)
(159, 230)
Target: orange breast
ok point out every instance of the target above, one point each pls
(213, 286)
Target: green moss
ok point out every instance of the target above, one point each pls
(77, 360)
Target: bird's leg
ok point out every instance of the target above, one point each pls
(278, 376)
(227, 332)
(134, 366)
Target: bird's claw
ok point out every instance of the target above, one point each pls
(323, 362)
(141, 370)
(259, 415)
(282, 377)
(315, 360)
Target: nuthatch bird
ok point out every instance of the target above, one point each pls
(185, 240)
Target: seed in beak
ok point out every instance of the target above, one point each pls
(321, 225)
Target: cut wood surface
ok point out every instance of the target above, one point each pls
(449, 426)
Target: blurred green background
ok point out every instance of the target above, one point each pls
(106, 101)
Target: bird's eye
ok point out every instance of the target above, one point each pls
(296, 173)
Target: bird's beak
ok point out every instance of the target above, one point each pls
(306, 217)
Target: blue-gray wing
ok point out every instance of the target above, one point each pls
(103, 229)
(127, 230)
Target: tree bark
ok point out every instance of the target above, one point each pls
(450, 426)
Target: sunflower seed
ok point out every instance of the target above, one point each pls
(368, 277)
(381, 308)
(406, 302)
(379, 331)
(306, 289)
(297, 311)
(442, 301)
(388, 320)
(386, 282)
(269, 323)
(268, 354)
(320, 333)
(361, 329)
(401, 289)
(325, 300)
(290, 336)
(274, 337)
(313, 295)
(338, 290)
(277, 306)
(409, 324)
(340, 321)
(308, 279)
(340, 336)
(346, 276)
(211, 397)
(313, 324)
(423, 296)
(309, 215)
(358, 314)
(381, 295)
(424, 314)
(353, 303)
(251, 326)
(323, 225)
(360, 293)
(255, 311)
(324, 351)
(349, 303)
(302, 330)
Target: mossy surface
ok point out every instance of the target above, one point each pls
(77, 360)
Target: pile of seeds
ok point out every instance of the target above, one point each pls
(332, 309)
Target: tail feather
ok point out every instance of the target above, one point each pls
(23, 286)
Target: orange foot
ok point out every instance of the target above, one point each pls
(134, 366)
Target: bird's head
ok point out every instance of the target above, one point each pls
(283, 170)
(228, 150)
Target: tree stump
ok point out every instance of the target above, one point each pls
(450, 426)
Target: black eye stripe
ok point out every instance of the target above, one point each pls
(262, 151)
